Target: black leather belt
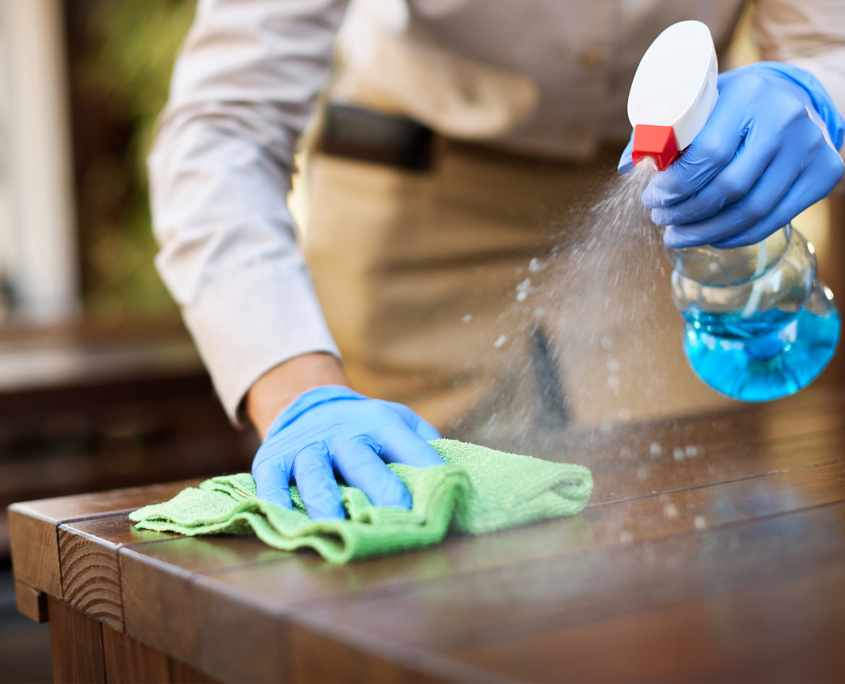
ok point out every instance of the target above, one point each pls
(357, 133)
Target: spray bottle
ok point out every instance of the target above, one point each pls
(759, 324)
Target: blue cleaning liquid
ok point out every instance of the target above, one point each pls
(766, 357)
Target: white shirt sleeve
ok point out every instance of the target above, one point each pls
(243, 89)
(809, 34)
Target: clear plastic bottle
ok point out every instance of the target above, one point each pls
(759, 324)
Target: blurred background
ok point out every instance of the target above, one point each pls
(100, 386)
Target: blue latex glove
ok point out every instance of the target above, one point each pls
(330, 429)
(768, 151)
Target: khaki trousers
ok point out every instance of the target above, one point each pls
(492, 296)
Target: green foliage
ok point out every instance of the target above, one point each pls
(140, 39)
(123, 74)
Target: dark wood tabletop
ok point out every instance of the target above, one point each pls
(713, 549)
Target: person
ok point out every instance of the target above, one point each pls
(457, 139)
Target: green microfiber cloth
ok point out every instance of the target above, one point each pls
(478, 490)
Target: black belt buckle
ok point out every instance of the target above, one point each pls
(358, 133)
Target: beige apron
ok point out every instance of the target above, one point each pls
(488, 295)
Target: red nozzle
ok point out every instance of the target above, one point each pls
(657, 143)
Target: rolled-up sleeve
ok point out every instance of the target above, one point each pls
(243, 88)
(809, 34)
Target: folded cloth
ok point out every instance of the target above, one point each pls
(478, 490)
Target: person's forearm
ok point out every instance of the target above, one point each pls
(279, 386)
(243, 89)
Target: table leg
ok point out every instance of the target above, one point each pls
(76, 641)
(129, 661)
(85, 650)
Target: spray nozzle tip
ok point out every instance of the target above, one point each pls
(654, 146)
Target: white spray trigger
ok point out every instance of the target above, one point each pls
(673, 93)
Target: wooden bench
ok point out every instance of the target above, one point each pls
(713, 550)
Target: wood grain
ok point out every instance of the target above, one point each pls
(63, 509)
(159, 606)
(85, 650)
(91, 577)
(31, 602)
(33, 527)
(636, 478)
(77, 645)
(629, 472)
(207, 554)
(305, 581)
(329, 653)
(35, 553)
(758, 632)
(254, 647)
(182, 673)
(745, 427)
(168, 610)
(131, 662)
(322, 659)
(531, 598)
(90, 570)
(721, 562)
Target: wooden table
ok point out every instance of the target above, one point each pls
(713, 550)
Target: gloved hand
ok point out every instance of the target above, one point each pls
(331, 429)
(767, 152)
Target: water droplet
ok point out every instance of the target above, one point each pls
(625, 537)
(467, 318)
(700, 522)
(655, 449)
(678, 454)
(670, 511)
(534, 266)
(523, 290)
(500, 341)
